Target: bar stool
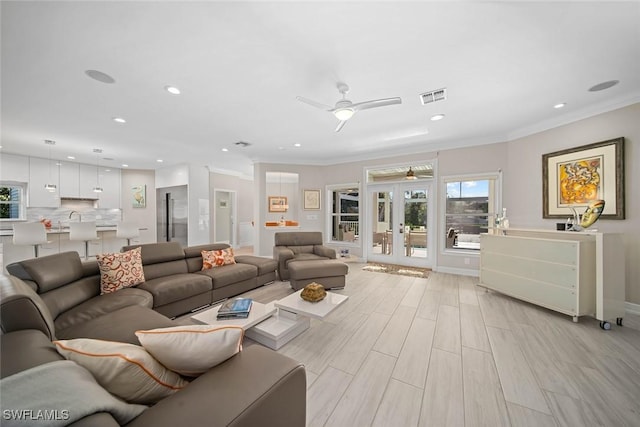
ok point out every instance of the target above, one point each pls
(30, 233)
(83, 231)
(127, 230)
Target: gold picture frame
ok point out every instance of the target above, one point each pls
(311, 200)
(578, 176)
(278, 204)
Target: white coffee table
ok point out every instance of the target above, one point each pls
(258, 313)
(292, 318)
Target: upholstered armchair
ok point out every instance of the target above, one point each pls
(299, 246)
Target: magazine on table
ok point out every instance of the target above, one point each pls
(236, 308)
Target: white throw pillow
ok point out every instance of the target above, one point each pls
(125, 370)
(192, 350)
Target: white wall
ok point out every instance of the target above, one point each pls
(199, 205)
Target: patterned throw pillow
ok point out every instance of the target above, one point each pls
(212, 259)
(120, 270)
(125, 370)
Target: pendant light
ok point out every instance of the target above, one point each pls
(97, 188)
(50, 187)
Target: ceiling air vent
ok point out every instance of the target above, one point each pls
(433, 96)
(242, 144)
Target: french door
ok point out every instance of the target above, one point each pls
(400, 219)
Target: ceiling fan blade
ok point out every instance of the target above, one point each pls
(314, 103)
(376, 103)
(340, 125)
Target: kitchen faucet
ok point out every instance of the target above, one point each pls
(79, 215)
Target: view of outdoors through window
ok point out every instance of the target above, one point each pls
(344, 222)
(469, 206)
(10, 199)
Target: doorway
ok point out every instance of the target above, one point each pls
(400, 217)
(224, 217)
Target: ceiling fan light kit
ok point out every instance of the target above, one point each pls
(345, 109)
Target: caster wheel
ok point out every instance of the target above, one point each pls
(605, 325)
(619, 321)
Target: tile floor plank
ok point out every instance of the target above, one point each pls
(400, 406)
(443, 401)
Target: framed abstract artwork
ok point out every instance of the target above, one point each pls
(579, 176)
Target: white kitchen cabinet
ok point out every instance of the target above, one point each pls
(110, 183)
(69, 179)
(14, 168)
(88, 181)
(42, 172)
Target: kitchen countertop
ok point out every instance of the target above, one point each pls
(64, 230)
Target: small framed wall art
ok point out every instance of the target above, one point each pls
(139, 196)
(311, 200)
(278, 204)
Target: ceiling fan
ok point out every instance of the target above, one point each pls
(345, 109)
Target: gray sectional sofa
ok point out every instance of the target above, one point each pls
(58, 297)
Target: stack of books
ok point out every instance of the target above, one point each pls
(236, 308)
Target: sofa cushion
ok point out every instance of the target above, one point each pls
(305, 257)
(230, 274)
(120, 270)
(51, 272)
(102, 304)
(298, 238)
(125, 370)
(119, 325)
(22, 350)
(153, 253)
(192, 350)
(264, 265)
(167, 289)
(213, 259)
(163, 269)
(306, 249)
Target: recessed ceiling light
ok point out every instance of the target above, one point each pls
(297, 144)
(100, 76)
(119, 120)
(159, 160)
(437, 117)
(124, 165)
(71, 157)
(603, 85)
(225, 149)
(561, 105)
(172, 90)
(280, 148)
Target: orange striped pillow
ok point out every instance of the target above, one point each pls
(124, 370)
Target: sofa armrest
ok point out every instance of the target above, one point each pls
(22, 308)
(325, 251)
(282, 254)
(255, 387)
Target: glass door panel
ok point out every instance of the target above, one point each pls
(399, 224)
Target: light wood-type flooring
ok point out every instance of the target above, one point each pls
(441, 351)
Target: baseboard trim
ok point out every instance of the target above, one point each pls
(460, 271)
(632, 308)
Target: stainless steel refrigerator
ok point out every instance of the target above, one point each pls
(173, 214)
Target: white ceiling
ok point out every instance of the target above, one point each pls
(240, 66)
